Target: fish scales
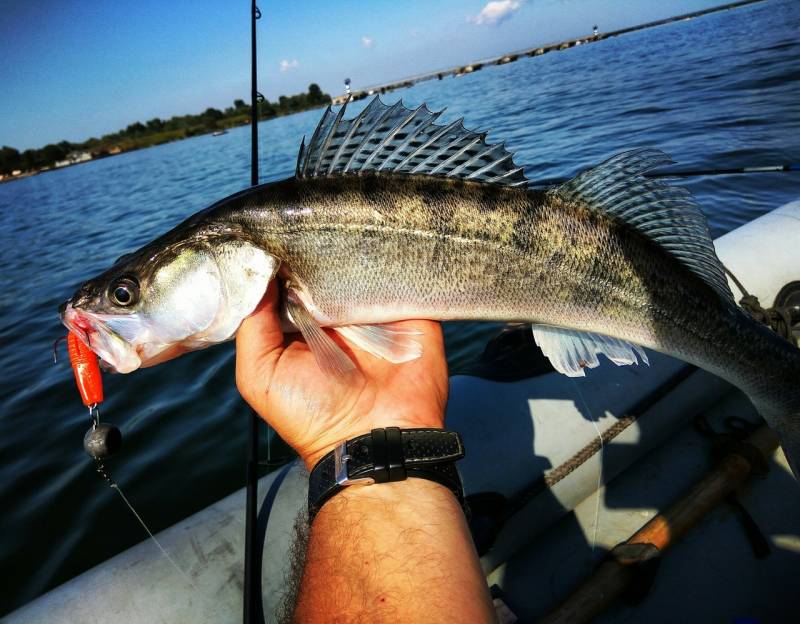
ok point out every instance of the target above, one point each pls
(468, 251)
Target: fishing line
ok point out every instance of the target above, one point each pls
(101, 469)
(180, 571)
(600, 472)
(688, 173)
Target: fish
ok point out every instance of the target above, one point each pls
(392, 216)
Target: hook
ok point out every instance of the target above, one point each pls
(55, 348)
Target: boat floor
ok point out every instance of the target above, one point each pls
(712, 575)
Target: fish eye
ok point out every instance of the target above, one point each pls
(124, 291)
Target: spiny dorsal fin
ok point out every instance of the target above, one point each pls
(666, 214)
(395, 139)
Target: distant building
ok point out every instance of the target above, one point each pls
(595, 32)
(73, 158)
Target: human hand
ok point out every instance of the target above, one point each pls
(313, 411)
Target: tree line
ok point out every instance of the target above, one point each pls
(157, 131)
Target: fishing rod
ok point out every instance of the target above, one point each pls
(688, 173)
(252, 604)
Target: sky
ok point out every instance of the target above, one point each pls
(73, 69)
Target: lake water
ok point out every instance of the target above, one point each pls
(718, 91)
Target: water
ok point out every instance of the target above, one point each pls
(719, 91)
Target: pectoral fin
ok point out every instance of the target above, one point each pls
(330, 357)
(570, 352)
(387, 341)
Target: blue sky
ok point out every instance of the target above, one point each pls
(72, 69)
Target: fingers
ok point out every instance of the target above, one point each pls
(431, 337)
(431, 364)
(265, 321)
(259, 343)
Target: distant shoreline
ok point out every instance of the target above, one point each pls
(15, 165)
(237, 120)
(216, 132)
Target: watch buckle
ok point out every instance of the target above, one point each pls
(340, 462)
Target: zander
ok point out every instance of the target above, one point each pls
(391, 216)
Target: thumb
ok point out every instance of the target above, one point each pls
(259, 344)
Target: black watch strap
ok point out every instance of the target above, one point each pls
(383, 455)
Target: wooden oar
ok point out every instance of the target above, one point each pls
(614, 576)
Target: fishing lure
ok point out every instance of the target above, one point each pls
(87, 371)
(102, 440)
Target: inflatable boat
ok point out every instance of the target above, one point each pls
(559, 471)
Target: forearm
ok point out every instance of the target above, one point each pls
(399, 551)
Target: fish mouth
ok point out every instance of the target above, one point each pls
(94, 331)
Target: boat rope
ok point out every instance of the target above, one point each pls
(688, 173)
(491, 510)
(777, 318)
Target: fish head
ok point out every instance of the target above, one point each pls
(164, 300)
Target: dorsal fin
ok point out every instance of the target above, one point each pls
(396, 139)
(666, 214)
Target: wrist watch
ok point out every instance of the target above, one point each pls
(385, 455)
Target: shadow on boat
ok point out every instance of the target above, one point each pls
(544, 520)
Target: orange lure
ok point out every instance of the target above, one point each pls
(86, 369)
